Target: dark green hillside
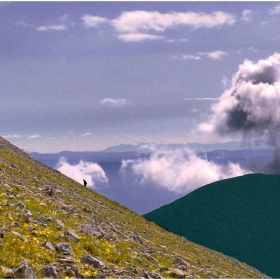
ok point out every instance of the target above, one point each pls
(53, 227)
(239, 217)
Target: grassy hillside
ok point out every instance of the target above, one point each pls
(239, 217)
(53, 227)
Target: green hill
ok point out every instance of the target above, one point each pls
(53, 227)
(239, 217)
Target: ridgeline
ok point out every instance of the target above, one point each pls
(54, 227)
(239, 217)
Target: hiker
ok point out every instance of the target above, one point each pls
(85, 182)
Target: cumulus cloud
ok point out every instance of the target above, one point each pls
(251, 106)
(92, 21)
(275, 10)
(179, 171)
(138, 37)
(89, 171)
(137, 21)
(114, 102)
(34, 136)
(59, 27)
(247, 15)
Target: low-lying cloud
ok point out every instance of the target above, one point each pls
(89, 171)
(179, 171)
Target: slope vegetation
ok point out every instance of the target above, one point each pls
(53, 227)
(239, 217)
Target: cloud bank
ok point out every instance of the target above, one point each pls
(179, 171)
(89, 171)
(139, 21)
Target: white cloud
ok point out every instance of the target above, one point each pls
(11, 136)
(138, 37)
(247, 15)
(190, 57)
(114, 102)
(35, 136)
(60, 27)
(64, 17)
(216, 55)
(201, 99)
(85, 134)
(137, 21)
(225, 82)
(275, 10)
(182, 40)
(92, 21)
(89, 171)
(179, 171)
(251, 106)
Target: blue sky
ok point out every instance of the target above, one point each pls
(88, 75)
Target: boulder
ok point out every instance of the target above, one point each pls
(94, 261)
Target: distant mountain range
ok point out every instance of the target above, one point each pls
(144, 147)
(238, 217)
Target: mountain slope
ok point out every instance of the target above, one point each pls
(238, 217)
(51, 226)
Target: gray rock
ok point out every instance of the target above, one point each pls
(49, 245)
(7, 271)
(60, 223)
(51, 271)
(71, 234)
(177, 272)
(95, 261)
(24, 271)
(180, 261)
(64, 248)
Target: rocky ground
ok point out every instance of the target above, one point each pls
(53, 227)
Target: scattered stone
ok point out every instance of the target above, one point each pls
(134, 269)
(177, 272)
(65, 248)
(60, 223)
(49, 245)
(67, 259)
(20, 205)
(180, 261)
(92, 230)
(95, 261)
(96, 218)
(51, 271)
(24, 271)
(7, 271)
(85, 209)
(13, 165)
(71, 234)
(20, 235)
